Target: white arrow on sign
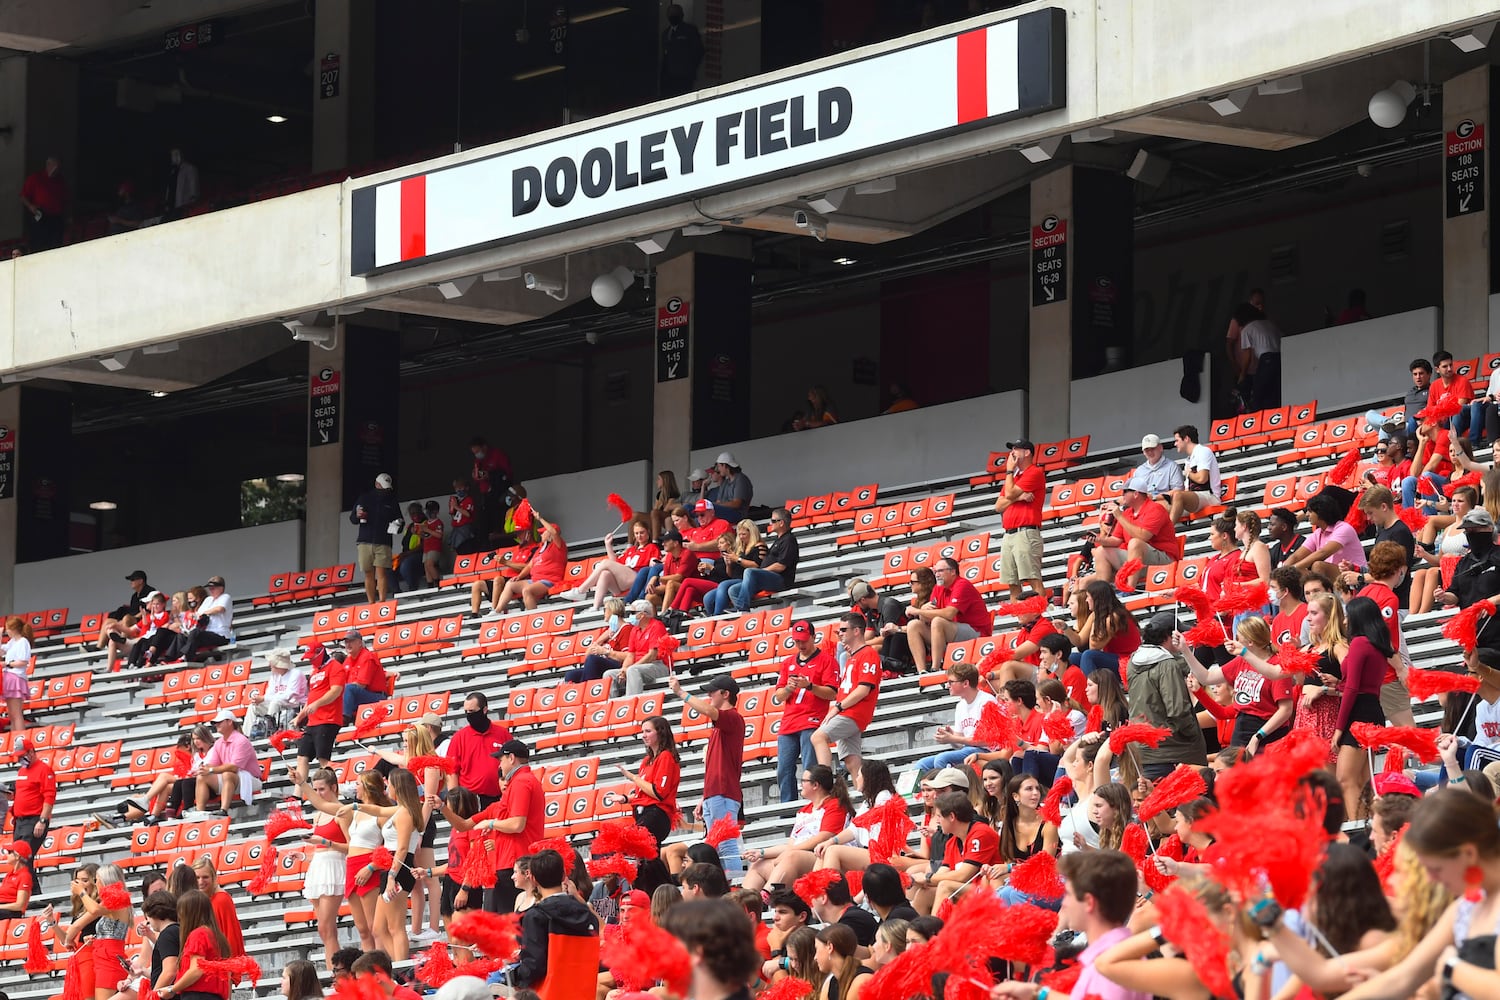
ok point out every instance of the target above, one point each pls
(1051, 293)
(671, 371)
(323, 434)
(1463, 203)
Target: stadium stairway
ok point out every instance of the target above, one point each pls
(111, 735)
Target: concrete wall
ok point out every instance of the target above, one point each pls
(1359, 363)
(933, 442)
(94, 582)
(1117, 408)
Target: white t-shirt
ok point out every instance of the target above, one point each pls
(1077, 821)
(1200, 459)
(1260, 337)
(18, 652)
(220, 612)
(1486, 722)
(966, 715)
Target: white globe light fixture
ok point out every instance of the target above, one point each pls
(609, 288)
(1388, 106)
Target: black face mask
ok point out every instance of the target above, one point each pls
(1480, 542)
(479, 720)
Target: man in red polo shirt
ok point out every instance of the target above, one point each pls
(473, 749)
(956, 613)
(44, 195)
(324, 711)
(521, 822)
(1143, 530)
(1020, 508)
(808, 679)
(34, 798)
(853, 705)
(367, 682)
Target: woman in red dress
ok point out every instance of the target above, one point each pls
(202, 941)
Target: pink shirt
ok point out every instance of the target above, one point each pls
(1090, 983)
(233, 749)
(1349, 547)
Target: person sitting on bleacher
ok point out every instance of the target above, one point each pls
(641, 662)
(557, 912)
(1203, 487)
(539, 578)
(168, 794)
(285, 692)
(17, 883)
(230, 768)
(777, 571)
(1330, 543)
(677, 564)
(215, 626)
(1142, 530)
(140, 589)
(1162, 475)
(955, 613)
(702, 535)
(963, 684)
(1024, 655)
(141, 638)
(1282, 527)
(735, 489)
(1477, 576)
(368, 682)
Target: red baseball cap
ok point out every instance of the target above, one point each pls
(22, 746)
(801, 630)
(635, 897)
(1396, 783)
(315, 654)
(19, 847)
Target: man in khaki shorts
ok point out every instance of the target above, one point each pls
(1020, 508)
(378, 516)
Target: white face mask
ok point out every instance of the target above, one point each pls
(1273, 595)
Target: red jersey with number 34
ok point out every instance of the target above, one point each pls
(863, 667)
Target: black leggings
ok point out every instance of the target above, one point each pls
(655, 820)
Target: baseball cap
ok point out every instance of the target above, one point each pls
(1164, 620)
(22, 746)
(635, 897)
(1138, 484)
(18, 847)
(353, 633)
(860, 589)
(1478, 518)
(1396, 783)
(139, 574)
(1150, 441)
(383, 481)
(703, 506)
(1022, 444)
(316, 654)
(950, 777)
(696, 474)
(431, 719)
(225, 715)
(725, 458)
(723, 683)
(515, 748)
(801, 630)
(671, 536)
(215, 581)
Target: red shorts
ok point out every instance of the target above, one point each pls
(110, 964)
(352, 866)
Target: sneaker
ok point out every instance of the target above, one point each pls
(194, 815)
(424, 936)
(105, 822)
(576, 594)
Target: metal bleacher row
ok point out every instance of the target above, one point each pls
(108, 732)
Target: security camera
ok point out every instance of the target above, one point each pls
(551, 286)
(326, 337)
(815, 224)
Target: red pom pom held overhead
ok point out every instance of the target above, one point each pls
(1424, 684)
(1051, 807)
(522, 515)
(365, 727)
(1182, 785)
(1136, 732)
(618, 503)
(280, 739)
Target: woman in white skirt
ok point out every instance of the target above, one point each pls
(17, 663)
(323, 886)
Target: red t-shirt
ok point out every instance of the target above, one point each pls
(663, 773)
(201, 944)
(724, 760)
(494, 461)
(1031, 730)
(364, 669)
(1288, 627)
(550, 564)
(461, 510)
(1026, 513)
(971, 609)
(640, 556)
(1076, 682)
(399, 992)
(1460, 388)
(36, 786)
(14, 883)
(862, 667)
(331, 674)
(1152, 517)
(473, 753)
(1253, 693)
(699, 533)
(803, 709)
(683, 562)
(1390, 610)
(47, 193)
(432, 541)
(524, 796)
(645, 638)
(979, 846)
(1039, 629)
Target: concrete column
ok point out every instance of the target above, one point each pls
(39, 102)
(1048, 396)
(325, 462)
(10, 417)
(672, 405)
(1466, 232)
(343, 122)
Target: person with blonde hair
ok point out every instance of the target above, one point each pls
(1262, 698)
(749, 552)
(427, 891)
(225, 914)
(362, 836)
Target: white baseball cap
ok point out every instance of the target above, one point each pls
(225, 715)
(1150, 441)
(383, 481)
(725, 458)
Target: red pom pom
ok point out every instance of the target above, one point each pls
(1440, 406)
(561, 846)
(1196, 599)
(479, 865)
(522, 515)
(1095, 722)
(1136, 843)
(618, 503)
(382, 859)
(1186, 923)
(261, 883)
(666, 648)
(238, 968)
(815, 883)
(37, 959)
(1463, 628)
(642, 954)
(114, 897)
(1030, 606)
(1037, 877)
(1240, 597)
(789, 988)
(1295, 661)
(623, 836)
(908, 976)
(1414, 518)
(1184, 784)
(1344, 468)
(418, 767)
(1424, 684)
(436, 966)
(1023, 935)
(1447, 566)
(182, 765)
(282, 820)
(1385, 861)
(495, 934)
(612, 864)
(995, 729)
(1057, 727)
(1156, 879)
(1418, 739)
(855, 880)
(1137, 732)
(1208, 632)
(362, 987)
(1051, 807)
(1473, 479)
(281, 738)
(724, 828)
(1062, 979)
(1128, 570)
(379, 712)
(992, 660)
(1271, 843)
